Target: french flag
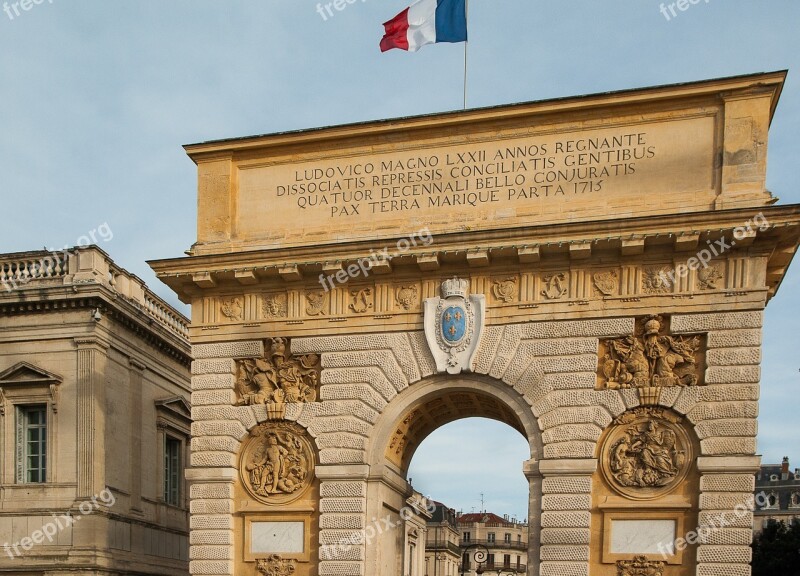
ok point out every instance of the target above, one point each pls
(426, 22)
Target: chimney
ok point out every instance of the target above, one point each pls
(785, 468)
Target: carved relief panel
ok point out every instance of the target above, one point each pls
(277, 378)
(651, 358)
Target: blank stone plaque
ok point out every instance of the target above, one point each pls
(277, 537)
(642, 536)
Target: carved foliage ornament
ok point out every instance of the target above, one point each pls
(277, 463)
(640, 566)
(278, 378)
(650, 358)
(275, 566)
(646, 454)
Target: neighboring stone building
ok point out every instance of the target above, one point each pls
(505, 540)
(94, 420)
(777, 495)
(590, 271)
(442, 551)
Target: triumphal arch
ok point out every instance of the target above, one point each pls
(592, 271)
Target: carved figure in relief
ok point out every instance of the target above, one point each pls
(656, 281)
(278, 463)
(646, 456)
(652, 360)
(277, 378)
(555, 286)
(275, 306)
(275, 566)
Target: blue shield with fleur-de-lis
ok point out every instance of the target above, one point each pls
(454, 324)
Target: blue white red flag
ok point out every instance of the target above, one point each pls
(426, 22)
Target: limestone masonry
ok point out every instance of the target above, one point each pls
(591, 271)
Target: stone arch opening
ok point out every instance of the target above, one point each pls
(411, 417)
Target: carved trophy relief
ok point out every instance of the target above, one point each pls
(651, 358)
(361, 300)
(646, 454)
(607, 283)
(407, 296)
(640, 566)
(315, 303)
(277, 462)
(232, 308)
(275, 306)
(556, 286)
(277, 378)
(505, 289)
(275, 566)
(709, 277)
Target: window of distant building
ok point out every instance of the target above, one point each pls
(29, 419)
(467, 537)
(506, 560)
(518, 559)
(173, 424)
(173, 469)
(795, 500)
(32, 444)
(772, 500)
(491, 538)
(490, 561)
(519, 538)
(507, 538)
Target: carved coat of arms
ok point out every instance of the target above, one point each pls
(453, 326)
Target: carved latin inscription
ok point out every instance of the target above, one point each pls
(277, 463)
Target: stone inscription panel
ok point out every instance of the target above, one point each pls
(277, 537)
(558, 177)
(642, 536)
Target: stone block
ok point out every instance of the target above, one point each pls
(243, 349)
(717, 321)
(214, 366)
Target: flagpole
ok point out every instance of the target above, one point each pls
(466, 45)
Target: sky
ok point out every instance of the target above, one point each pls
(98, 98)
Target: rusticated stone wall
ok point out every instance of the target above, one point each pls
(551, 366)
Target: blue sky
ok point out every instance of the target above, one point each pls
(98, 97)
